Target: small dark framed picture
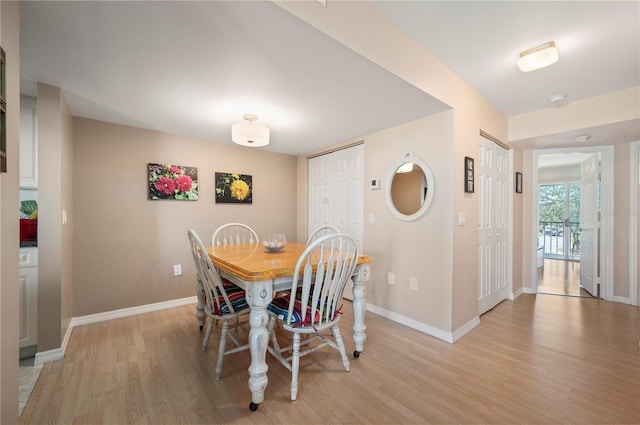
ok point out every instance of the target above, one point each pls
(468, 175)
(518, 182)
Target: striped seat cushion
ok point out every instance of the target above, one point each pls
(237, 299)
(280, 307)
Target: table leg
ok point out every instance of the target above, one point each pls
(360, 307)
(200, 314)
(259, 295)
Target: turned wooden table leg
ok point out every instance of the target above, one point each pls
(360, 307)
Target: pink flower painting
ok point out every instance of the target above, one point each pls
(167, 181)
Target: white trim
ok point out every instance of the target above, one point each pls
(634, 183)
(48, 356)
(514, 295)
(623, 300)
(131, 311)
(466, 328)
(511, 189)
(607, 187)
(533, 270)
(424, 328)
(58, 353)
(606, 218)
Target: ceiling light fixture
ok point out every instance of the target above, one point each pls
(583, 138)
(558, 99)
(250, 134)
(538, 57)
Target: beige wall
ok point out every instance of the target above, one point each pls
(359, 26)
(9, 204)
(66, 203)
(55, 145)
(125, 245)
(420, 248)
(597, 111)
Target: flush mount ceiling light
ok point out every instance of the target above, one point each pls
(248, 133)
(583, 138)
(538, 57)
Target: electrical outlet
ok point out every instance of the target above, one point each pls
(413, 284)
(391, 278)
(177, 270)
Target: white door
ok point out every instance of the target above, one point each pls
(492, 186)
(336, 195)
(336, 191)
(589, 224)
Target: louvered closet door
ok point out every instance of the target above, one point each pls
(492, 187)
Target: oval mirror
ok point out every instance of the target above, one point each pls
(410, 188)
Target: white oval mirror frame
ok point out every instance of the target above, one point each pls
(409, 158)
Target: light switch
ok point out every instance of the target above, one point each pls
(462, 218)
(64, 216)
(372, 218)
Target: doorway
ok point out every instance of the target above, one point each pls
(572, 187)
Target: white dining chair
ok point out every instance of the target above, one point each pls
(322, 231)
(234, 233)
(313, 306)
(226, 303)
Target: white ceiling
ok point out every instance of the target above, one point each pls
(194, 68)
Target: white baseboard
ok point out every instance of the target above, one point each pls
(131, 311)
(516, 294)
(529, 290)
(419, 326)
(58, 353)
(466, 328)
(48, 356)
(623, 300)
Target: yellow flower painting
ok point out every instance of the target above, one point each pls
(233, 188)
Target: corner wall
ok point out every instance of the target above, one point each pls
(9, 224)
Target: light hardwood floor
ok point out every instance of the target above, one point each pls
(560, 277)
(540, 359)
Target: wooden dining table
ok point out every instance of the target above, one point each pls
(261, 274)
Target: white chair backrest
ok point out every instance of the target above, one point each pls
(322, 231)
(234, 233)
(208, 275)
(325, 267)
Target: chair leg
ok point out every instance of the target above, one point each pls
(272, 333)
(207, 334)
(335, 330)
(222, 347)
(295, 365)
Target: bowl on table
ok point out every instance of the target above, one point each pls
(274, 242)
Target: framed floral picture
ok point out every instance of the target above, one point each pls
(167, 181)
(233, 188)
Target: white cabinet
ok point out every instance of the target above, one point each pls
(28, 143)
(28, 296)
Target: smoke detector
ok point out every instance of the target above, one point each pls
(558, 99)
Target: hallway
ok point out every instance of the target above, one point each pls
(559, 277)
